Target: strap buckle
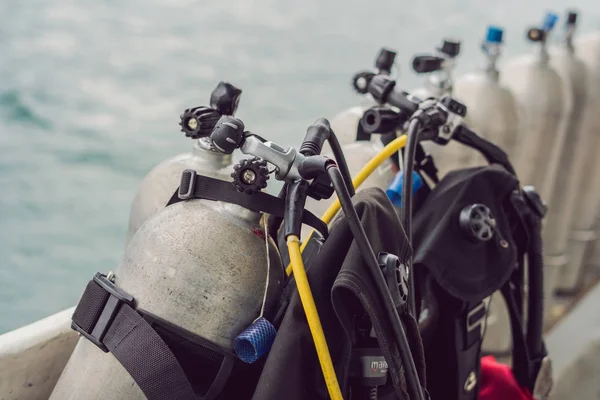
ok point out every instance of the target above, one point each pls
(476, 318)
(105, 313)
(187, 184)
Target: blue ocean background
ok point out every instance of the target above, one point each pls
(91, 93)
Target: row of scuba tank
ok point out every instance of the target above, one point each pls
(541, 108)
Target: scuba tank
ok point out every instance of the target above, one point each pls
(439, 82)
(563, 200)
(492, 108)
(358, 146)
(158, 186)
(493, 113)
(346, 123)
(538, 92)
(175, 309)
(587, 163)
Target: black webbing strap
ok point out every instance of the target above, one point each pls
(194, 186)
(105, 316)
(469, 334)
(521, 360)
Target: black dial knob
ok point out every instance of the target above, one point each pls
(250, 175)
(450, 47)
(225, 98)
(477, 223)
(198, 122)
(228, 134)
(385, 60)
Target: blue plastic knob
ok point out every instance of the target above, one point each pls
(254, 341)
(394, 191)
(549, 21)
(494, 34)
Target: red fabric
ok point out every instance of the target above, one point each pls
(499, 383)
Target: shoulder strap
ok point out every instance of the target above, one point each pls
(194, 186)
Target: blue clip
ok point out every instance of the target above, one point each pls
(494, 34)
(394, 191)
(549, 22)
(255, 341)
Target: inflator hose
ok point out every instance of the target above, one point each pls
(492, 153)
(340, 160)
(358, 180)
(409, 163)
(312, 316)
(368, 256)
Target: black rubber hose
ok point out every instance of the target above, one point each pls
(535, 301)
(492, 153)
(340, 159)
(294, 207)
(366, 252)
(409, 163)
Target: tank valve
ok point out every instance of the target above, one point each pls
(198, 122)
(477, 223)
(250, 175)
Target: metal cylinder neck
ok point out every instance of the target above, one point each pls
(205, 150)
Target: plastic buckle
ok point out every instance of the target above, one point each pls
(479, 320)
(187, 184)
(111, 307)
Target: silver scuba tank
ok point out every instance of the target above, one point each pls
(492, 108)
(569, 142)
(492, 112)
(158, 186)
(439, 82)
(538, 92)
(587, 48)
(176, 269)
(346, 123)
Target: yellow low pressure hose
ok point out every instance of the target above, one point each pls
(358, 180)
(312, 316)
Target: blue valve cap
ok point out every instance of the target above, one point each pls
(549, 21)
(494, 34)
(394, 191)
(255, 341)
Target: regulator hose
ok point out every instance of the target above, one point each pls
(364, 173)
(368, 256)
(312, 316)
(340, 159)
(411, 147)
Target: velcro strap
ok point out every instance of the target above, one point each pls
(105, 316)
(194, 186)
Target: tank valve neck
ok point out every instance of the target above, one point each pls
(491, 47)
(570, 27)
(540, 35)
